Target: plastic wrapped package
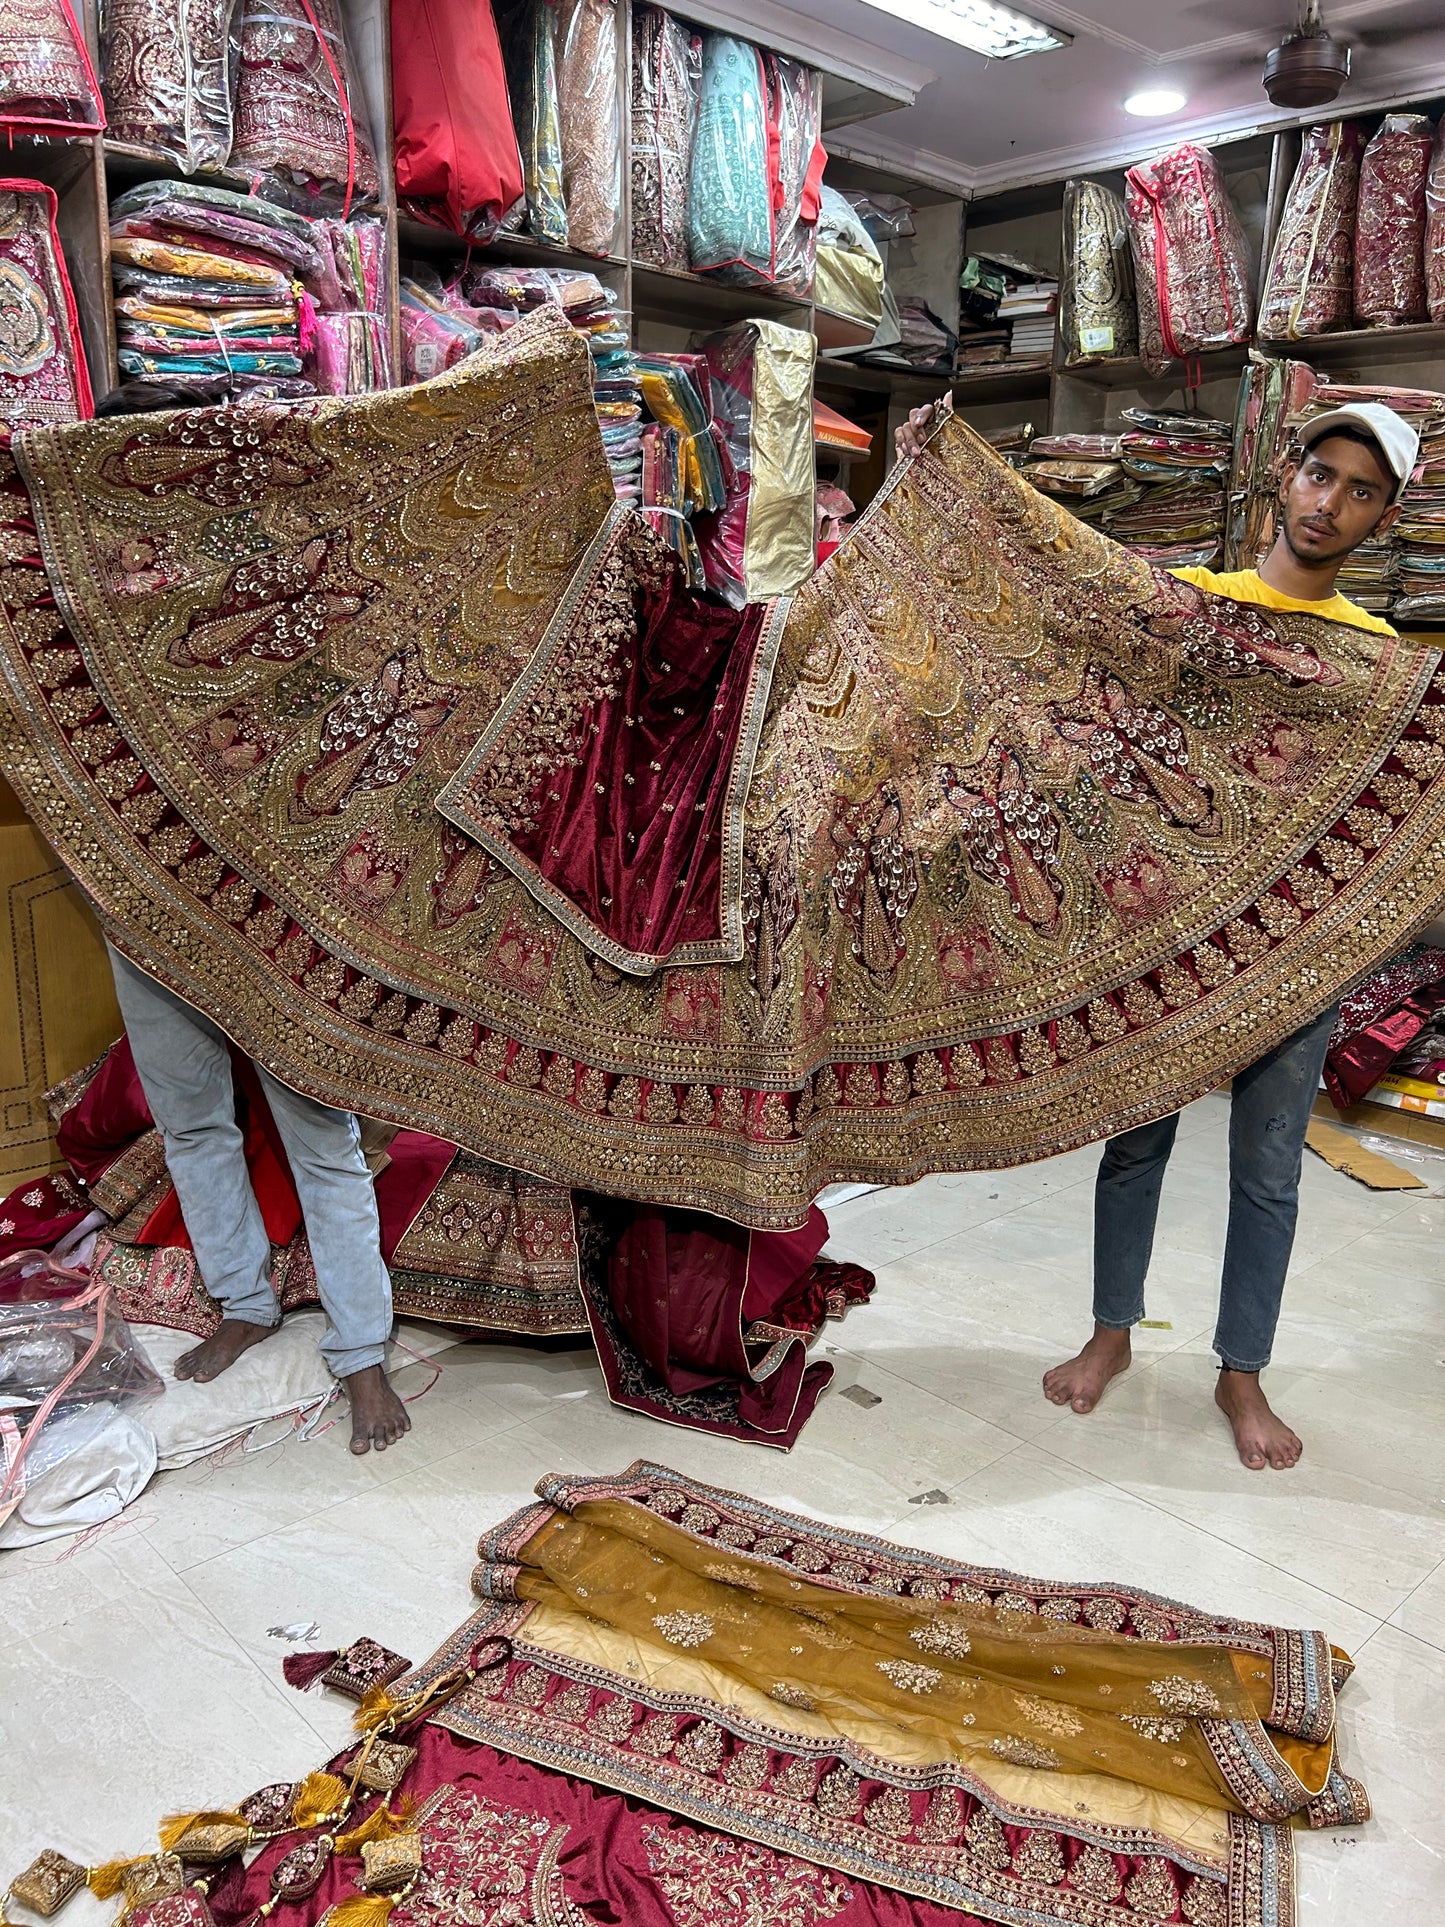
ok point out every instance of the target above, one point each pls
(1190, 265)
(1435, 228)
(761, 543)
(358, 256)
(1098, 313)
(848, 278)
(433, 339)
(43, 376)
(349, 354)
(1310, 286)
(529, 32)
(590, 115)
(887, 217)
(299, 115)
(1390, 224)
(193, 215)
(47, 84)
(793, 96)
(168, 78)
(666, 79)
(171, 262)
(457, 160)
(63, 1347)
(730, 194)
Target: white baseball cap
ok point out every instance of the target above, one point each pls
(1391, 434)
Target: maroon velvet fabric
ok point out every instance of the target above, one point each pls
(619, 1860)
(704, 1325)
(112, 1112)
(632, 835)
(38, 1214)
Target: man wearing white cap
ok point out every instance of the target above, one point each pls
(1354, 465)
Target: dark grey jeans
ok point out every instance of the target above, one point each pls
(1268, 1116)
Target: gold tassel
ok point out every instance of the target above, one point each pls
(380, 1825)
(362, 1910)
(320, 1796)
(106, 1881)
(377, 1707)
(176, 1826)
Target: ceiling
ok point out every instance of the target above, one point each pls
(983, 124)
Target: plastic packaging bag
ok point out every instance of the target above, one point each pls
(433, 340)
(666, 79)
(457, 161)
(63, 1346)
(47, 84)
(1310, 286)
(730, 199)
(299, 115)
(1190, 265)
(793, 97)
(1390, 224)
(169, 78)
(1098, 315)
(1435, 229)
(350, 354)
(590, 114)
(761, 543)
(528, 31)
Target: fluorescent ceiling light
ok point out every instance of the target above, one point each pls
(1153, 102)
(998, 32)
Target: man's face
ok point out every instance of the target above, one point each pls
(1337, 497)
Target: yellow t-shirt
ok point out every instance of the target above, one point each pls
(1246, 585)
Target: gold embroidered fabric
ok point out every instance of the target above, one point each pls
(1098, 313)
(1039, 844)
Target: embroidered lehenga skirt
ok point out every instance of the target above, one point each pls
(377, 729)
(1310, 285)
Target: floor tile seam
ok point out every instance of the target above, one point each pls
(1436, 1572)
(316, 1513)
(285, 1696)
(1247, 1552)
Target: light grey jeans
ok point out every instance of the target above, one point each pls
(185, 1069)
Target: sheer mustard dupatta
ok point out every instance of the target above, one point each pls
(990, 1741)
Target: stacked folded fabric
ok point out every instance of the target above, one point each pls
(439, 327)
(982, 337)
(1179, 463)
(1030, 308)
(1420, 534)
(685, 463)
(210, 283)
(1374, 575)
(214, 285)
(1082, 471)
(593, 311)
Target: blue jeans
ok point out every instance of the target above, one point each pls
(1268, 1116)
(185, 1069)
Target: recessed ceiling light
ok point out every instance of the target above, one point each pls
(983, 28)
(1153, 102)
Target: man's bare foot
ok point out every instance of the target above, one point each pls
(1260, 1437)
(220, 1351)
(378, 1417)
(1080, 1381)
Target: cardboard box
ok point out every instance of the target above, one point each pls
(1389, 1121)
(57, 1000)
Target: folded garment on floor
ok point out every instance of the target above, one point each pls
(672, 1696)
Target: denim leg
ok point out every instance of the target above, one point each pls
(338, 1203)
(1268, 1118)
(185, 1070)
(1126, 1203)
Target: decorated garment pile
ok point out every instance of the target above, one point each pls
(990, 842)
(677, 1705)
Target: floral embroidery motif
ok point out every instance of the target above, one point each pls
(1152, 1891)
(909, 1677)
(685, 1629)
(1104, 1614)
(1055, 1719)
(891, 1812)
(1204, 1903)
(1040, 1857)
(1020, 1752)
(1150, 1727)
(491, 1865)
(1176, 1694)
(987, 1841)
(1096, 1873)
(942, 1635)
(712, 1880)
(787, 1694)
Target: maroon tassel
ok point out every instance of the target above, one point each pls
(302, 1670)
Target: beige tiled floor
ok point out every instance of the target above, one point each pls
(138, 1672)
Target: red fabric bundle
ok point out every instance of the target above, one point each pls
(457, 161)
(1390, 224)
(1310, 287)
(1190, 264)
